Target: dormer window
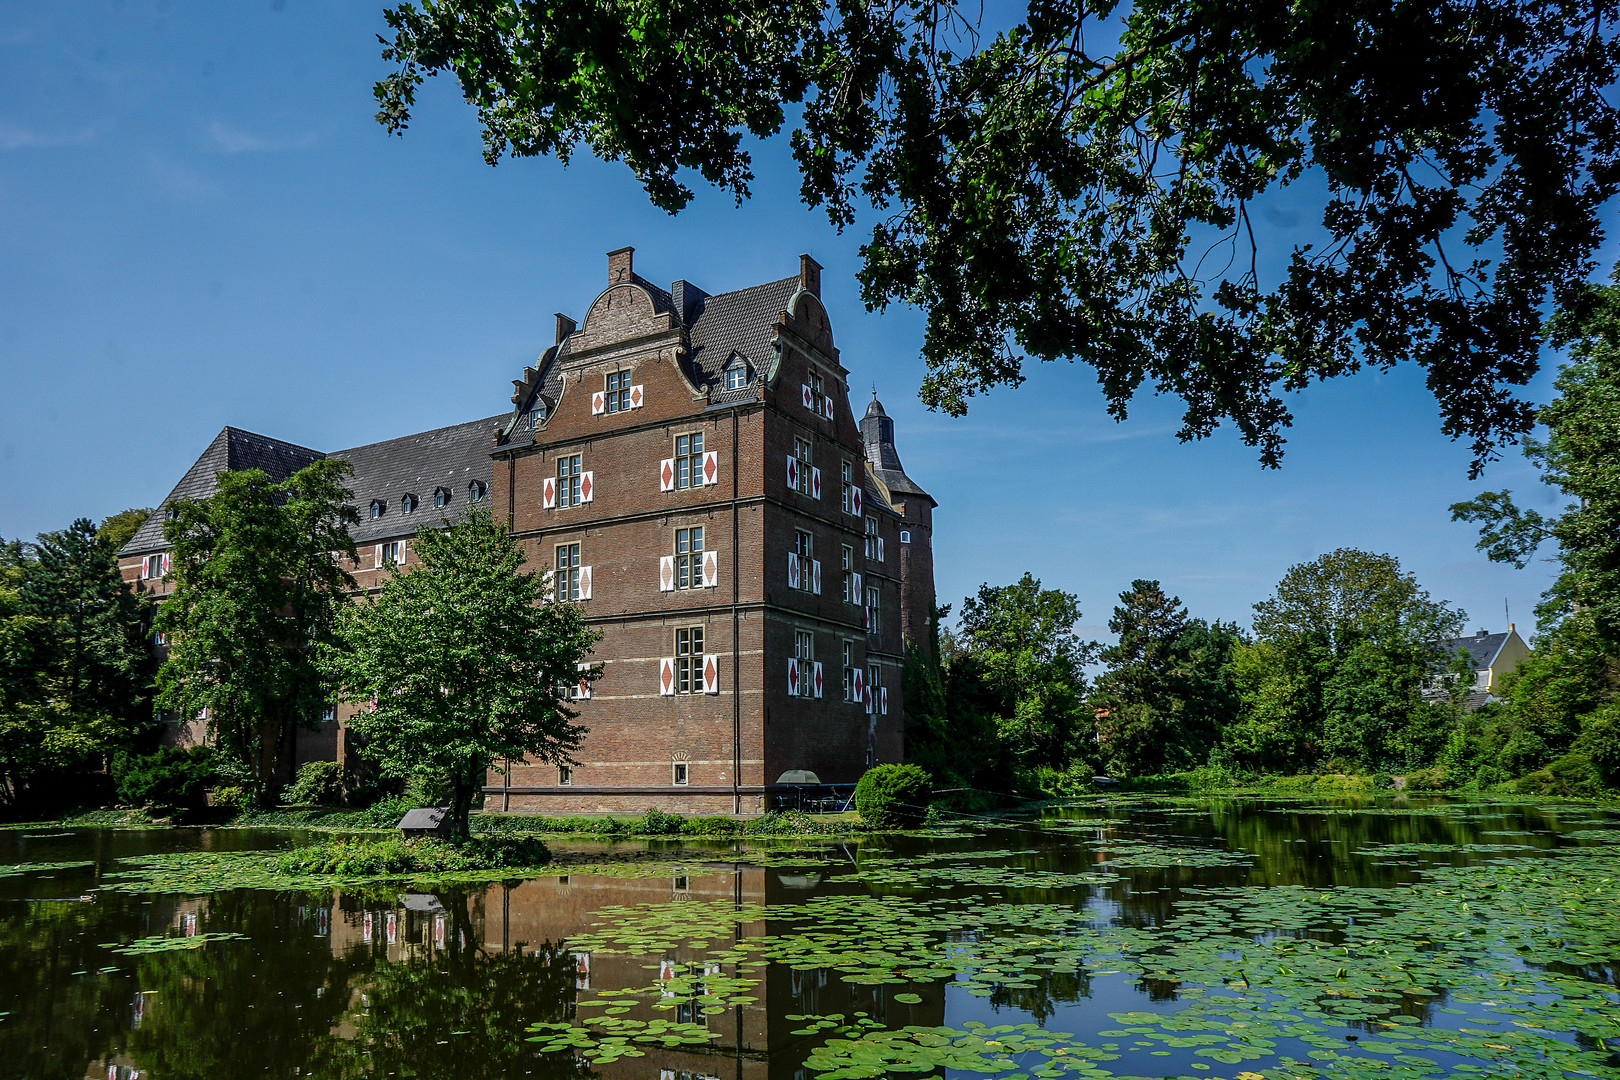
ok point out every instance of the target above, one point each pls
(475, 490)
(408, 504)
(379, 507)
(736, 373)
(537, 416)
(441, 497)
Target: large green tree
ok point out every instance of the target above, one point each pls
(258, 585)
(1022, 642)
(1166, 687)
(1115, 182)
(465, 661)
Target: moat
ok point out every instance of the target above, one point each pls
(1129, 937)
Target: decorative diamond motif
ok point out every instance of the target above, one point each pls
(585, 488)
(710, 468)
(668, 676)
(668, 474)
(635, 397)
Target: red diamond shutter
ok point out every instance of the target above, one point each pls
(793, 472)
(815, 576)
(548, 493)
(883, 700)
(860, 692)
(711, 467)
(880, 548)
(666, 677)
(809, 399)
(666, 573)
(816, 679)
(857, 493)
(163, 563)
(815, 482)
(666, 474)
(711, 569)
(584, 583)
(793, 569)
(587, 486)
(637, 398)
(711, 674)
(598, 403)
(793, 676)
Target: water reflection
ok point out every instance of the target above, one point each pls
(390, 982)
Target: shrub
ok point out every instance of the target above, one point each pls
(1431, 779)
(236, 800)
(890, 796)
(319, 783)
(170, 777)
(360, 856)
(711, 826)
(384, 813)
(657, 823)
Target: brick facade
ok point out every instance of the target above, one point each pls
(591, 455)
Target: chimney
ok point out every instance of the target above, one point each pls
(809, 275)
(619, 265)
(686, 297)
(565, 326)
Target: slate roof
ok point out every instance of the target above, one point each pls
(877, 432)
(1481, 648)
(738, 322)
(449, 457)
(232, 450)
(423, 817)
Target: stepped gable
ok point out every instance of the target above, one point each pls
(877, 432)
(232, 450)
(448, 457)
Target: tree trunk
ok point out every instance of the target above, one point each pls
(460, 808)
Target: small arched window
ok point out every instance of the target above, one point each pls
(407, 504)
(441, 497)
(379, 507)
(475, 490)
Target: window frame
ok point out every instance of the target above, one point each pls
(688, 451)
(379, 507)
(565, 776)
(689, 558)
(408, 503)
(442, 497)
(476, 490)
(871, 537)
(804, 649)
(565, 575)
(874, 611)
(616, 391)
(568, 481)
(689, 658)
(848, 474)
(680, 774)
(849, 670)
(804, 451)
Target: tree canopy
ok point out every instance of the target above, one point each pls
(1092, 182)
(466, 663)
(258, 584)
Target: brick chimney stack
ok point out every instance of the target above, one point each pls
(810, 275)
(620, 265)
(565, 326)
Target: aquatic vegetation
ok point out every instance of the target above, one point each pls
(19, 869)
(147, 945)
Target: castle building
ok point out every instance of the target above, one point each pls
(691, 468)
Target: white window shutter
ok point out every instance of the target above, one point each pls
(551, 587)
(711, 467)
(880, 548)
(857, 493)
(793, 569)
(711, 674)
(883, 700)
(584, 583)
(815, 576)
(598, 403)
(860, 692)
(815, 482)
(584, 680)
(163, 563)
(379, 556)
(666, 573)
(869, 700)
(829, 404)
(793, 472)
(637, 398)
(711, 569)
(666, 474)
(858, 597)
(815, 680)
(793, 676)
(666, 677)
(809, 398)
(548, 493)
(587, 486)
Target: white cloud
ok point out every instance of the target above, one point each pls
(231, 140)
(177, 180)
(13, 137)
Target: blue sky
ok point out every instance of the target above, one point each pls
(204, 226)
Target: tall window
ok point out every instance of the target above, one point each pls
(849, 576)
(689, 460)
(567, 572)
(849, 487)
(678, 775)
(568, 480)
(872, 610)
(618, 391)
(804, 543)
(849, 671)
(689, 558)
(818, 393)
(801, 450)
(804, 647)
(689, 660)
(871, 538)
(393, 553)
(874, 687)
(565, 775)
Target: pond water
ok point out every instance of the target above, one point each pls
(1207, 938)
